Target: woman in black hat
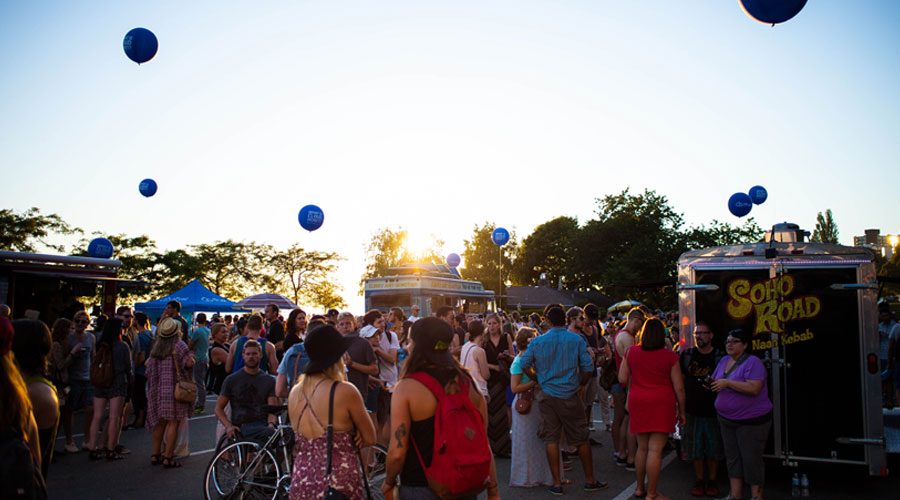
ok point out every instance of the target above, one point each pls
(413, 408)
(308, 406)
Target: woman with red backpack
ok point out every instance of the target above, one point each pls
(439, 446)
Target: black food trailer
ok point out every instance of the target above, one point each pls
(812, 311)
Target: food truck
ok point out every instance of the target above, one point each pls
(429, 286)
(49, 286)
(811, 308)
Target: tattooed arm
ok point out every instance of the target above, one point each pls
(400, 428)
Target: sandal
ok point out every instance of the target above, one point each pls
(112, 455)
(155, 459)
(639, 494)
(170, 463)
(97, 454)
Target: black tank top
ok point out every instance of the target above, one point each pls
(422, 431)
(216, 371)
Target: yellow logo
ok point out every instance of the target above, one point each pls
(770, 301)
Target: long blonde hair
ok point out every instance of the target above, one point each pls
(334, 372)
(14, 394)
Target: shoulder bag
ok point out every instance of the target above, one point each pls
(523, 402)
(185, 389)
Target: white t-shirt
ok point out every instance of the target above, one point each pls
(468, 360)
(388, 371)
(413, 319)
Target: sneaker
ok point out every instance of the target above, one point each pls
(698, 490)
(121, 450)
(621, 462)
(712, 490)
(71, 448)
(85, 447)
(629, 467)
(199, 411)
(595, 486)
(556, 490)
(729, 497)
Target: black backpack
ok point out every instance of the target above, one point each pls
(20, 477)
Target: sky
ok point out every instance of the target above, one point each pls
(437, 116)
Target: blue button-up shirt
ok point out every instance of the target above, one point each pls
(556, 356)
(296, 354)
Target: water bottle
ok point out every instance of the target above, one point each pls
(795, 486)
(804, 486)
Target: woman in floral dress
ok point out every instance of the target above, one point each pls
(163, 412)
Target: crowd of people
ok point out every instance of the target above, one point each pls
(531, 382)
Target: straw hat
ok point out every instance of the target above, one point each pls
(168, 328)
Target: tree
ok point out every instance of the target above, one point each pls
(385, 250)
(24, 232)
(549, 249)
(304, 274)
(722, 233)
(481, 255)
(631, 248)
(139, 262)
(231, 268)
(826, 230)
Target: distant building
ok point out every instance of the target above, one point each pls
(882, 244)
(536, 297)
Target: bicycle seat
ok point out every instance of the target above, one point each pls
(274, 408)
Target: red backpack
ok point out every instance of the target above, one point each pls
(461, 460)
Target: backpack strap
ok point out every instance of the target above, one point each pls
(430, 382)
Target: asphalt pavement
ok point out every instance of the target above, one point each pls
(75, 477)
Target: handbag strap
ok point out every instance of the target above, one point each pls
(330, 429)
(736, 364)
(177, 370)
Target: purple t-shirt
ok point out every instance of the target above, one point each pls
(734, 405)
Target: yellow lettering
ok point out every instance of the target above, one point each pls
(766, 320)
(784, 311)
(799, 312)
(758, 293)
(787, 285)
(739, 306)
(813, 306)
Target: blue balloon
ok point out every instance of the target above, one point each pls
(772, 11)
(739, 204)
(147, 187)
(453, 260)
(100, 248)
(140, 45)
(311, 217)
(500, 236)
(758, 195)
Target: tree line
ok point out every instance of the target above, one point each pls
(231, 269)
(629, 249)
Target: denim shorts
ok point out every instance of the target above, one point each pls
(617, 389)
(81, 394)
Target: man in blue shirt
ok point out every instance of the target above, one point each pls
(290, 369)
(560, 362)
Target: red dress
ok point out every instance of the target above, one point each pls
(651, 397)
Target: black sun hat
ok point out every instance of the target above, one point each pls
(324, 346)
(433, 336)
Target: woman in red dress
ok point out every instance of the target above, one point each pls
(654, 382)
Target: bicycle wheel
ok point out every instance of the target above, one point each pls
(374, 458)
(242, 470)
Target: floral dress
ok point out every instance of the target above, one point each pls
(308, 481)
(161, 378)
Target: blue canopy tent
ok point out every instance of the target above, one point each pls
(193, 298)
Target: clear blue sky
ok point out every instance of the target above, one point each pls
(436, 116)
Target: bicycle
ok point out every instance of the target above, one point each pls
(245, 469)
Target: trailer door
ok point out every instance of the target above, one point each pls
(821, 388)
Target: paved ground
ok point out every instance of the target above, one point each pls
(75, 477)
